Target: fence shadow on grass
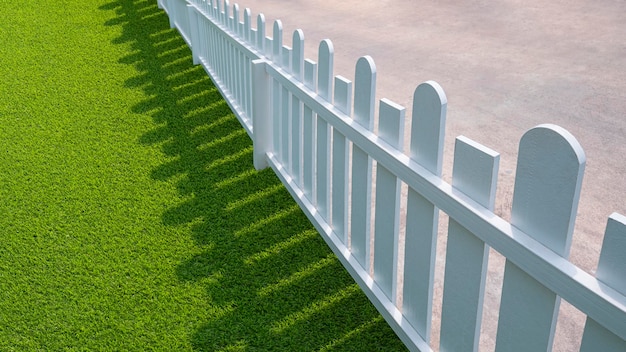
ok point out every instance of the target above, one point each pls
(272, 280)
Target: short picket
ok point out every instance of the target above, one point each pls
(475, 174)
(340, 159)
(387, 211)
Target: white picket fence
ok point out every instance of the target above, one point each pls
(316, 131)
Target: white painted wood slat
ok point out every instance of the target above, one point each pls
(387, 207)
(475, 173)
(277, 42)
(364, 92)
(308, 152)
(427, 132)
(322, 130)
(340, 169)
(549, 174)
(260, 32)
(285, 127)
(297, 70)
(247, 26)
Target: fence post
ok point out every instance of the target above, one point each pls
(261, 124)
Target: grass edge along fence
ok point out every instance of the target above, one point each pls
(316, 131)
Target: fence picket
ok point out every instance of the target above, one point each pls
(325, 69)
(427, 133)
(285, 122)
(296, 140)
(226, 14)
(194, 35)
(550, 167)
(322, 130)
(260, 32)
(239, 83)
(297, 69)
(277, 42)
(276, 95)
(308, 152)
(387, 211)
(611, 271)
(247, 26)
(339, 187)
(171, 11)
(475, 173)
(286, 58)
(297, 63)
(219, 12)
(235, 25)
(364, 92)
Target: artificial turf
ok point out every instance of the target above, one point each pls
(130, 215)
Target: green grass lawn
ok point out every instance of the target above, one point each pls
(130, 215)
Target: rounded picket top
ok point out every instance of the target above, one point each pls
(297, 64)
(432, 92)
(298, 35)
(277, 41)
(260, 32)
(549, 175)
(247, 14)
(364, 91)
(365, 65)
(428, 125)
(235, 23)
(325, 62)
(326, 46)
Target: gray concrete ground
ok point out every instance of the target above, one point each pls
(506, 66)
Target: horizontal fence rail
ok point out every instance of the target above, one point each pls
(316, 131)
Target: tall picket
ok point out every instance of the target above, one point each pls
(308, 150)
(285, 123)
(322, 130)
(275, 47)
(364, 88)
(297, 70)
(427, 133)
(549, 175)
